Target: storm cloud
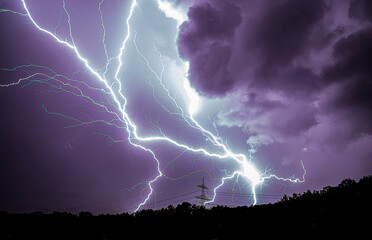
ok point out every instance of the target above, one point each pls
(263, 48)
(293, 71)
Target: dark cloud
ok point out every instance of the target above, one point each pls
(352, 55)
(361, 9)
(352, 70)
(283, 32)
(327, 39)
(209, 23)
(295, 81)
(279, 33)
(294, 64)
(209, 69)
(205, 40)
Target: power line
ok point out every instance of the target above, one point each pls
(249, 195)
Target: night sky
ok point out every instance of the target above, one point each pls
(285, 83)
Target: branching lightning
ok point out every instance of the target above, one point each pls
(113, 89)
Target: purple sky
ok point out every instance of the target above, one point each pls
(290, 78)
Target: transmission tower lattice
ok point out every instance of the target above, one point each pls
(202, 198)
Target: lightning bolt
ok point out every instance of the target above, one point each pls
(14, 12)
(115, 90)
(247, 170)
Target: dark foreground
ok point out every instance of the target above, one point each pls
(339, 211)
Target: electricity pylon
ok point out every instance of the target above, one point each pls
(202, 198)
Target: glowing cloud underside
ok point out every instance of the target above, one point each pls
(246, 169)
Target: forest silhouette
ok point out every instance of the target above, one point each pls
(340, 211)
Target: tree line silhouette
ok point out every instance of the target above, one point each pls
(341, 211)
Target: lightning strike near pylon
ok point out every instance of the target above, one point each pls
(114, 88)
